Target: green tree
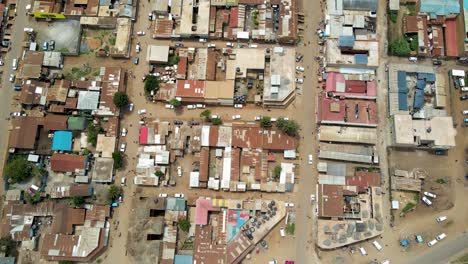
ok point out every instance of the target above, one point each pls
(114, 191)
(184, 225)
(206, 114)
(151, 84)
(159, 173)
(392, 15)
(399, 47)
(281, 123)
(33, 199)
(173, 59)
(8, 246)
(18, 169)
(92, 132)
(216, 121)
(277, 171)
(265, 122)
(66, 262)
(290, 128)
(174, 102)
(78, 201)
(118, 159)
(120, 99)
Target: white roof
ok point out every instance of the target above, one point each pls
(157, 53)
(395, 205)
(205, 136)
(243, 35)
(194, 179)
(460, 73)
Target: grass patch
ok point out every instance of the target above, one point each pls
(416, 197)
(112, 40)
(392, 15)
(441, 181)
(411, 10)
(290, 228)
(399, 47)
(408, 207)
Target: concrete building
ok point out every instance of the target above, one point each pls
(279, 84)
(121, 49)
(194, 22)
(157, 54)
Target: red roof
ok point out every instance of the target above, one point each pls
(348, 111)
(67, 162)
(233, 19)
(182, 67)
(353, 86)
(363, 179)
(451, 37)
(144, 135)
(202, 208)
(190, 88)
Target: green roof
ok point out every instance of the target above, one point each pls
(175, 204)
(77, 123)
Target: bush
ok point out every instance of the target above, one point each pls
(174, 102)
(408, 207)
(216, 121)
(289, 127)
(206, 114)
(8, 246)
(118, 160)
(265, 122)
(18, 170)
(33, 199)
(277, 171)
(173, 59)
(120, 99)
(151, 84)
(441, 181)
(78, 201)
(114, 191)
(159, 173)
(184, 225)
(393, 15)
(92, 132)
(399, 47)
(290, 228)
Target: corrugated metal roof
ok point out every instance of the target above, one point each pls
(364, 5)
(402, 101)
(361, 59)
(441, 8)
(88, 100)
(346, 41)
(402, 82)
(418, 99)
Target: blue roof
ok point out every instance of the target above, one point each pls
(175, 204)
(361, 59)
(183, 259)
(422, 75)
(7, 260)
(403, 101)
(402, 82)
(62, 140)
(430, 77)
(420, 84)
(346, 41)
(441, 8)
(363, 5)
(418, 99)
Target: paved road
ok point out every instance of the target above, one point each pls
(442, 251)
(6, 90)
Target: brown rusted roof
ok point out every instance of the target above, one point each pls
(67, 162)
(204, 164)
(65, 218)
(55, 122)
(24, 132)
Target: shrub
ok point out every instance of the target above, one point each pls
(399, 47)
(120, 99)
(184, 225)
(114, 191)
(151, 84)
(118, 160)
(265, 122)
(18, 169)
(216, 121)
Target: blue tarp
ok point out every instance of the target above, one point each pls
(420, 84)
(183, 259)
(440, 7)
(404, 243)
(360, 59)
(403, 101)
(418, 99)
(402, 82)
(62, 140)
(346, 41)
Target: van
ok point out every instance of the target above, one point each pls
(441, 218)
(464, 89)
(363, 251)
(431, 243)
(426, 201)
(377, 245)
(428, 194)
(14, 64)
(282, 233)
(441, 236)
(465, 112)
(462, 82)
(123, 182)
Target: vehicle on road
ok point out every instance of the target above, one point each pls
(12, 77)
(201, 106)
(14, 64)
(120, 198)
(214, 116)
(130, 107)
(289, 205)
(464, 97)
(141, 33)
(211, 45)
(312, 198)
(363, 251)
(413, 59)
(282, 233)
(123, 181)
(124, 132)
(431, 243)
(429, 194)
(123, 146)
(441, 236)
(142, 111)
(28, 30)
(441, 152)
(377, 245)
(253, 46)
(436, 62)
(236, 117)
(179, 195)
(299, 57)
(238, 106)
(299, 80)
(441, 218)
(162, 195)
(136, 60)
(179, 45)
(202, 40)
(229, 44)
(426, 201)
(169, 106)
(137, 49)
(18, 113)
(310, 159)
(258, 118)
(465, 112)
(178, 122)
(179, 171)
(299, 68)
(190, 107)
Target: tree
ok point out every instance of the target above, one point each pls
(92, 132)
(216, 121)
(66, 262)
(120, 99)
(118, 159)
(159, 173)
(290, 128)
(33, 199)
(265, 122)
(78, 201)
(114, 191)
(399, 47)
(206, 114)
(174, 102)
(184, 225)
(173, 59)
(151, 84)
(8, 246)
(18, 169)
(281, 123)
(277, 171)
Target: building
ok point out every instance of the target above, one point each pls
(69, 163)
(103, 170)
(279, 84)
(33, 93)
(351, 112)
(62, 141)
(121, 49)
(24, 134)
(194, 22)
(157, 54)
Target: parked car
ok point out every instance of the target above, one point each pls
(289, 205)
(312, 198)
(200, 105)
(299, 80)
(436, 62)
(179, 195)
(464, 97)
(258, 118)
(229, 44)
(465, 112)
(310, 159)
(141, 33)
(136, 60)
(413, 59)
(169, 106)
(377, 245)
(211, 45)
(202, 40)
(214, 116)
(441, 218)
(142, 111)
(191, 107)
(441, 152)
(238, 106)
(12, 78)
(464, 89)
(426, 201)
(178, 122)
(299, 57)
(363, 251)
(441, 236)
(162, 195)
(130, 107)
(52, 44)
(123, 146)
(282, 233)
(431, 243)
(45, 45)
(120, 198)
(137, 49)
(299, 68)
(124, 132)
(179, 44)
(429, 194)
(123, 181)
(179, 171)
(236, 117)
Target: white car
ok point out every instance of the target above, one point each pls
(413, 59)
(169, 106)
(211, 45)
(162, 195)
(310, 159)
(426, 201)
(17, 114)
(441, 218)
(431, 195)
(289, 205)
(138, 48)
(299, 68)
(124, 132)
(258, 118)
(190, 107)
(465, 112)
(200, 105)
(441, 236)
(142, 111)
(214, 116)
(179, 171)
(431, 243)
(238, 106)
(282, 233)
(236, 117)
(130, 107)
(229, 44)
(123, 146)
(12, 78)
(202, 40)
(299, 80)
(312, 198)
(141, 33)
(179, 195)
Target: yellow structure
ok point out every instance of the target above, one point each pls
(44, 15)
